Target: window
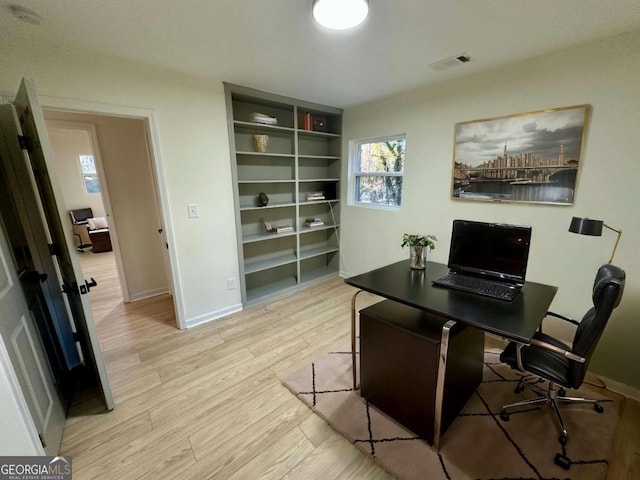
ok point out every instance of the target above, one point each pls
(89, 173)
(378, 167)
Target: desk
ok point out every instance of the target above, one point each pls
(517, 320)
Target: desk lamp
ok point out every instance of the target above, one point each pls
(587, 226)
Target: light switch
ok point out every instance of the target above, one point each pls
(193, 210)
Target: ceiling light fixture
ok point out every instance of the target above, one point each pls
(340, 14)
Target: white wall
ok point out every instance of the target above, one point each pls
(193, 149)
(605, 75)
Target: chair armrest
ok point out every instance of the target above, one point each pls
(562, 317)
(558, 350)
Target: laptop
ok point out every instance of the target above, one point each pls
(487, 259)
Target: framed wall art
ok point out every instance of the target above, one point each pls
(528, 157)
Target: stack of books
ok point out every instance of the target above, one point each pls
(314, 222)
(280, 229)
(311, 196)
(258, 117)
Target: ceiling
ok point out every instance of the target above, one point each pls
(274, 45)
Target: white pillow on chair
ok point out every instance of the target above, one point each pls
(97, 223)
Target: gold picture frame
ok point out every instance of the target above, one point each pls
(529, 157)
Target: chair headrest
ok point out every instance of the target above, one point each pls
(608, 275)
(80, 214)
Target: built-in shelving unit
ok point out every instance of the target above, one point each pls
(302, 158)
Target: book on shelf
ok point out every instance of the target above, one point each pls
(314, 222)
(258, 117)
(315, 196)
(280, 229)
(306, 121)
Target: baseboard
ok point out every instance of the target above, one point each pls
(148, 294)
(208, 317)
(621, 388)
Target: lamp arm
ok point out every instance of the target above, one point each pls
(619, 232)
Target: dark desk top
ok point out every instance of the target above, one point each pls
(516, 320)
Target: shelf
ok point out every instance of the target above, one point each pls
(296, 163)
(265, 154)
(320, 157)
(316, 251)
(255, 294)
(326, 226)
(318, 274)
(271, 205)
(252, 267)
(266, 181)
(302, 180)
(261, 126)
(265, 236)
(312, 133)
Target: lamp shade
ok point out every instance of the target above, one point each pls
(340, 14)
(586, 226)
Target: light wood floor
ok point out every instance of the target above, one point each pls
(208, 402)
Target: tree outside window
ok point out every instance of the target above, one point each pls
(378, 171)
(89, 173)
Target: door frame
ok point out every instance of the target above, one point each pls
(90, 129)
(150, 121)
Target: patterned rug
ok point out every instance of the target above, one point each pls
(478, 445)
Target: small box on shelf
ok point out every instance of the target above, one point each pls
(280, 229)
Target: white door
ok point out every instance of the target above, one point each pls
(24, 345)
(32, 128)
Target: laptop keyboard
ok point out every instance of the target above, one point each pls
(478, 286)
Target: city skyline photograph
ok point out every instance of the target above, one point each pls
(529, 157)
(538, 133)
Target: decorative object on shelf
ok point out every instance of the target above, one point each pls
(340, 14)
(260, 143)
(318, 123)
(529, 157)
(313, 196)
(588, 226)
(418, 245)
(258, 117)
(263, 200)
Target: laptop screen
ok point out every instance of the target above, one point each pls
(490, 249)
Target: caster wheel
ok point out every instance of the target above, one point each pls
(562, 461)
(562, 439)
(562, 392)
(518, 389)
(598, 408)
(504, 416)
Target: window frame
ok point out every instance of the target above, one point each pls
(84, 174)
(354, 164)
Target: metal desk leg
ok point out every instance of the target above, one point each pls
(353, 338)
(442, 370)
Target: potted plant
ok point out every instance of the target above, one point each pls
(417, 250)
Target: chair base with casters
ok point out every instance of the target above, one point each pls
(562, 366)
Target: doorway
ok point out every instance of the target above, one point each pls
(125, 196)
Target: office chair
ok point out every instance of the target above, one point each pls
(79, 220)
(546, 358)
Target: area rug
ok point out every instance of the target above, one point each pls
(478, 444)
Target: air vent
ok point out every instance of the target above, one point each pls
(450, 62)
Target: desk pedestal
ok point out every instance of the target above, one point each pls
(400, 351)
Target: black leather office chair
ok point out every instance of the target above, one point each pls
(80, 219)
(562, 365)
